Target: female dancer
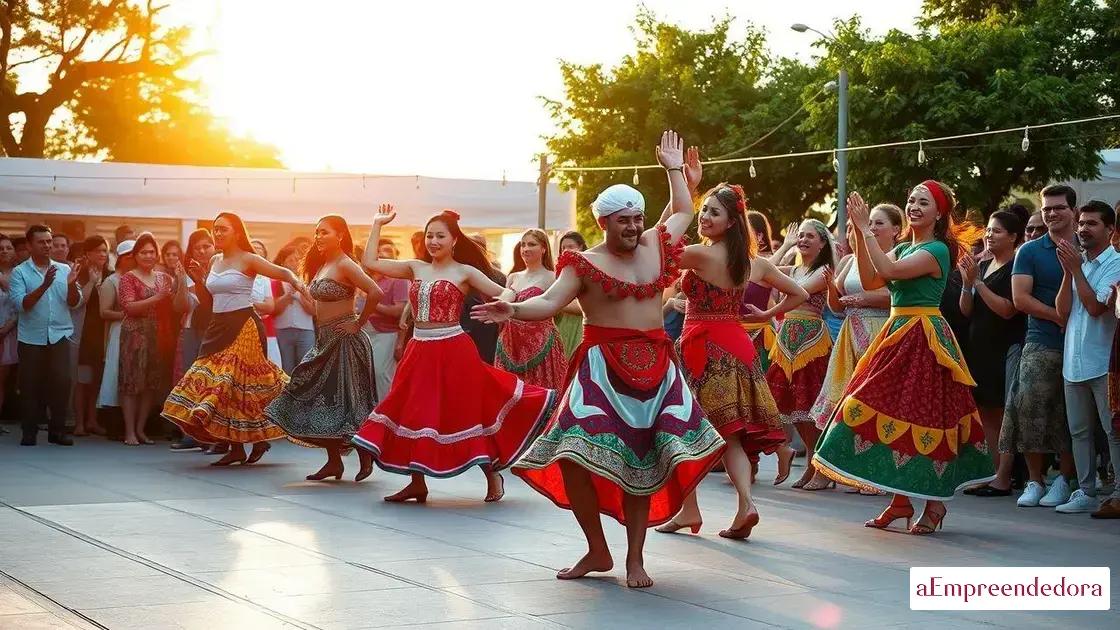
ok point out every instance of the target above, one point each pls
(111, 311)
(719, 359)
(447, 411)
(570, 320)
(532, 350)
(907, 423)
(222, 396)
(91, 348)
(994, 326)
(865, 312)
(9, 316)
(332, 389)
(144, 295)
(799, 359)
(758, 295)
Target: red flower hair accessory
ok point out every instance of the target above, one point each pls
(740, 198)
(452, 214)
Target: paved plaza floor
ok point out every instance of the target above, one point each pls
(107, 536)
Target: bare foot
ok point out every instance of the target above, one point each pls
(593, 561)
(636, 576)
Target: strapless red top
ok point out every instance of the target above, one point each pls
(706, 301)
(619, 289)
(435, 301)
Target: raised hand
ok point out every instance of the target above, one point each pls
(829, 276)
(1068, 256)
(791, 234)
(195, 271)
(858, 212)
(693, 169)
(496, 312)
(670, 153)
(72, 279)
(48, 277)
(385, 214)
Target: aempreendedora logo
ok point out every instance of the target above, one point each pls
(1009, 588)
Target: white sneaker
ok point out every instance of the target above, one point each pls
(1079, 502)
(1058, 493)
(1032, 495)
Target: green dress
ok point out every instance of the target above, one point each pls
(571, 332)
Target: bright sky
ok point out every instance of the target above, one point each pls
(439, 87)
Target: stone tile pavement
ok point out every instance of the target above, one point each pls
(104, 536)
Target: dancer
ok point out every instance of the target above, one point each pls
(222, 397)
(532, 350)
(865, 312)
(907, 423)
(630, 440)
(758, 294)
(718, 357)
(332, 389)
(569, 321)
(447, 410)
(799, 358)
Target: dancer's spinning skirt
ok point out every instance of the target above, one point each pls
(763, 336)
(222, 397)
(860, 327)
(332, 389)
(907, 423)
(447, 411)
(798, 362)
(534, 352)
(629, 418)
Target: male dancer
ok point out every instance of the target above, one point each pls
(628, 439)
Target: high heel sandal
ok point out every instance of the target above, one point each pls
(743, 531)
(366, 460)
(673, 527)
(258, 452)
(420, 496)
(936, 518)
(827, 485)
(495, 497)
(890, 515)
(232, 457)
(800, 483)
(324, 473)
(784, 466)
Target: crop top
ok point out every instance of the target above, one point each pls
(435, 301)
(231, 289)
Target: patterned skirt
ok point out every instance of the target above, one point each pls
(907, 423)
(534, 352)
(858, 330)
(731, 386)
(447, 411)
(647, 441)
(141, 369)
(798, 362)
(222, 397)
(331, 390)
(763, 335)
(1034, 420)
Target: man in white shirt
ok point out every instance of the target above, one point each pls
(1086, 299)
(44, 290)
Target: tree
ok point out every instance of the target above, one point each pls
(971, 70)
(721, 94)
(101, 78)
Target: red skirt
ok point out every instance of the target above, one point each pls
(798, 365)
(447, 411)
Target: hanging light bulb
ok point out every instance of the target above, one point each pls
(579, 180)
(835, 162)
(1026, 140)
(921, 153)
(503, 178)
(635, 177)
(753, 172)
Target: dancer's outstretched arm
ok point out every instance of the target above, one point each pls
(670, 154)
(405, 269)
(560, 294)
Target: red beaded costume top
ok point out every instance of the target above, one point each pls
(620, 289)
(707, 302)
(435, 301)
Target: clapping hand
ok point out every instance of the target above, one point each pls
(967, 266)
(496, 312)
(693, 169)
(853, 301)
(858, 212)
(72, 279)
(1068, 256)
(195, 271)
(670, 153)
(48, 277)
(385, 214)
(829, 276)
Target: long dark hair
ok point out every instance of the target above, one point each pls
(466, 251)
(91, 243)
(239, 230)
(1012, 222)
(760, 228)
(168, 245)
(192, 241)
(574, 236)
(740, 246)
(314, 260)
(546, 258)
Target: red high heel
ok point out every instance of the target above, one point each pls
(420, 496)
(326, 472)
(890, 515)
(937, 519)
(743, 531)
(673, 527)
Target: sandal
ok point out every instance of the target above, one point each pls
(890, 515)
(937, 519)
(673, 527)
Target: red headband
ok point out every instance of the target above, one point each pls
(939, 197)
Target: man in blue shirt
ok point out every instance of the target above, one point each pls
(44, 291)
(1034, 419)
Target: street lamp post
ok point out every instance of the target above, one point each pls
(841, 139)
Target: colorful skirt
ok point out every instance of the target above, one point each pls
(798, 363)
(448, 411)
(763, 336)
(1034, 419)
(534, 352)
(222, 397)
(571, 332)
(629, 418)
(907, 423)
(331, 390)
(724, 373)
(858, 330)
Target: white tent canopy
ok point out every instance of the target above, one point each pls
(267, 195)
(1106, 187)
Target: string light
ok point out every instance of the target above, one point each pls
(54, 184)
(635, 177)
(1026, 139)
(921, 153)
(753, 172)
(835, 162)
(503, 178)
(579, 180)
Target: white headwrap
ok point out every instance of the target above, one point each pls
(618, 198)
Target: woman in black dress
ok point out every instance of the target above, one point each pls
(994, 325)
